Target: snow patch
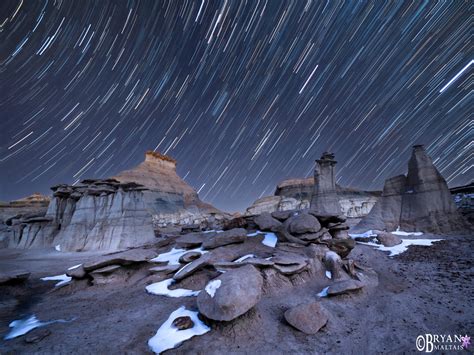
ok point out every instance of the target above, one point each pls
(168, 336)
(212, 287)
(245, 257)
(406, 234)
(270, 239)
(74, 267)
(22, 326)
(172, 257)
(324, 292)
(367, 234)
(329, 274)
(57, 247)
(63, 279)
(400, 248)
(161, 289)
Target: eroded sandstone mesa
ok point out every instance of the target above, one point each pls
(420, 201)
(93, 215)
(168, 198)
(324, 200)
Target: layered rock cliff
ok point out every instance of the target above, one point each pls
(295, 194)
(168, 198)
(93, 215)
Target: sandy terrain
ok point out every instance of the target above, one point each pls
(424, 290)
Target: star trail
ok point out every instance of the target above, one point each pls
(242, 93)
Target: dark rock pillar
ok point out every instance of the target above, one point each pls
(324, 200)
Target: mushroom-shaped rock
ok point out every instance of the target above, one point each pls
(232, 236)
(345, 286)
(388, 239)
(334, 264)
(266, 222)
(303, 223)
(308, 318)
(77, 272)
(231, 294)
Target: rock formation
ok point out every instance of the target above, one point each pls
(295, 194)
(93, 215)
(420, 201)
(324, 199)
(168, 198)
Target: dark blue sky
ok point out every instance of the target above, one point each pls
(242, 94)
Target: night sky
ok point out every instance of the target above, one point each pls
(242, 93)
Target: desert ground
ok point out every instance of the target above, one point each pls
(427, 289)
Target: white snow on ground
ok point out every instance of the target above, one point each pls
(74, 267)
(23, 326)
(168, 337)
(328, 274)
(212, 287)
(324, 292)
(172, 257)
(161, 289)
(58, 247)
(400, 248)
(63, 279)
(406, 234)
(367, 234)
(270, 239)
(245, 257)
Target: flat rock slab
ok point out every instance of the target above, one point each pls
(231, 294)
(232, 236)
(128, 257)
(193, 240)
(308, 318)
(77, 273)
(341, 246)
(106, 270)
(345, 286)
(16, 276)
(166, 269)
(388, 239)
(282, 215)
(190, 256)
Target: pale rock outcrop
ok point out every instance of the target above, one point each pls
(420, 201)
(168, 198)
(93, 215)
(295, 194)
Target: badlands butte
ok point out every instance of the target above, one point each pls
(137, 263)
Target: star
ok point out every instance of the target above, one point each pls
(466, 341)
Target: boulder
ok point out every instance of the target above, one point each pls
(282, 215)
(236, 235)
(389, 239)
(77, 272)
(36, 335)
(232, 294)
(342, 287)
(266, 222)
(308, 318)
(341, 246)
(303, 223)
